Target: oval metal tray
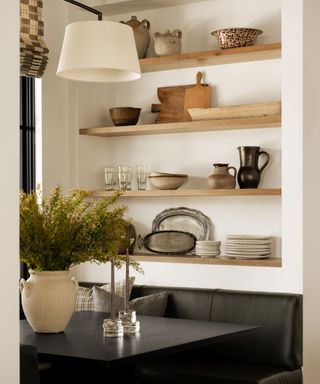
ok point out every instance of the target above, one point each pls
(183, 219)
(169, 242)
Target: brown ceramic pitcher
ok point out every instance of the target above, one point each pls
(141, 34)
(249, 172)
(221, 177)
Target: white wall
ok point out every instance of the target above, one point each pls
(57, 113)
(9, 168)
(72, 160)
(311, 191)
(195, 153)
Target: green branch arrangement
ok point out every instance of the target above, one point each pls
(62, 231)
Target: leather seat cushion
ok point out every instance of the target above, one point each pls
(191, 369)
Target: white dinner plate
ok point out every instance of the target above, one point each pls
(248, 237)
(247, 257)
(260, 242)
(249, 254)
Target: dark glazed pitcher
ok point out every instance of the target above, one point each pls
(249, 171)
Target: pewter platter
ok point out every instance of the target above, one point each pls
(183, 219)
(169, 242)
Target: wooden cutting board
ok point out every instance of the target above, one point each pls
(176, 100)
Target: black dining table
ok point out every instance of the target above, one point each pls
(82, 353)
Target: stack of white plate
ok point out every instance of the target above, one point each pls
(248, 246)
(208, 248)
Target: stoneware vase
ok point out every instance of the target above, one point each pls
(168, 43)
(129, 240)
(48, 300)
(221, 177)
(249, 173)
(141, 34)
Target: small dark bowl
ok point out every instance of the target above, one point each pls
(124, 115)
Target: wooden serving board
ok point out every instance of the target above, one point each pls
(176, 100)
(237, 111)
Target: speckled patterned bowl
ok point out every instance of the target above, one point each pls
(236, 37)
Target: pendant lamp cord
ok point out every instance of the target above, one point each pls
(98, 13)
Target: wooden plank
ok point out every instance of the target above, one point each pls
(236, 111)
(206, 58)
(268, 262)
(185, 127)
(193, 192)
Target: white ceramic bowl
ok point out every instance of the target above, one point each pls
(167, 181)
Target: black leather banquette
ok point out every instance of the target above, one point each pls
(272, 356)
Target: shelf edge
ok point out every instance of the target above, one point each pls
(192, 193)
(272, 121)
(267, 262)
(260, 52)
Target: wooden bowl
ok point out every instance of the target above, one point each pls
(124, 115)
(236, 37)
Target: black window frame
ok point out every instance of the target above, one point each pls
(27, 134)
(27, 145)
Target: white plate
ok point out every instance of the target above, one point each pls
(249, 254)
(248, 237)
(207, 253)
(248, 250)
(246, 242)
(247, 247)
(247, 257)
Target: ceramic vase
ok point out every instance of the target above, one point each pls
(168, 43)
(48, 300)
(129, 240)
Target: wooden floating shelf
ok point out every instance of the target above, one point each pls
(206, 58)
(268, 262)
(186, 127)
(193, 192)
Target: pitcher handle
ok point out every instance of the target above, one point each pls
(24, 285)
(177, 33)
(266, 161)
(146, 22)
(235, 171)
(75, 282)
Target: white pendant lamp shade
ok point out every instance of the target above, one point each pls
(99, 51)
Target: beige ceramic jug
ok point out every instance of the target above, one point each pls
(168, 43)
(141, 34)
(221, 178)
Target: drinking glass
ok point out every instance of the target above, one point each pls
(110, 178)
(142, 173)
(124, 177)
